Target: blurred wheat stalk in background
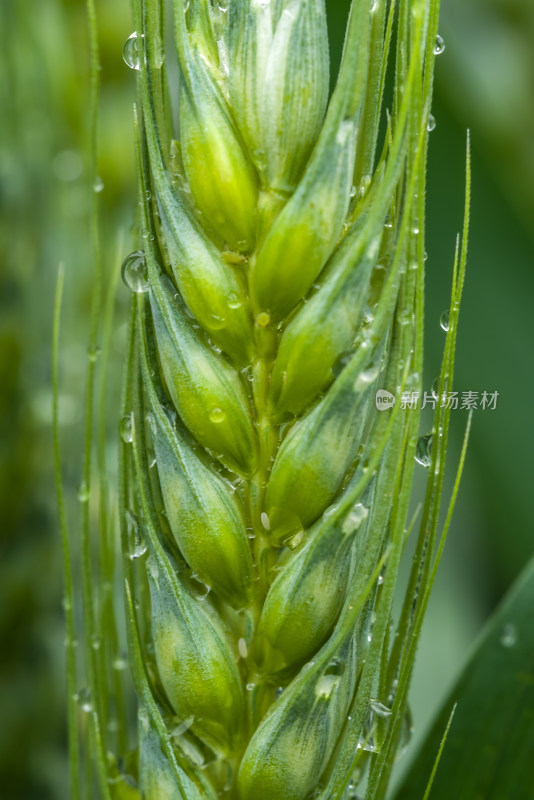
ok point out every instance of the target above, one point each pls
(264, 493)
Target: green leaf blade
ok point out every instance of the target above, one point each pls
(488, 752)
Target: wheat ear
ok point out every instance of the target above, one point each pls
(278, 287)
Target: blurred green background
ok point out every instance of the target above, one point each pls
(484, 82)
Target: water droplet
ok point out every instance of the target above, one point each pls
(120, 663)
(153, 569)
(138, 545)
(430, 123)
(84, 492)
(131, 52)
(341, 362)
(216, 323)
(439, 45)
(294, 541)
(444, 320)
(96, 642)
(142, 716)
(326, 685)
(264, 518)
(380, 709)
(335, 667)
(98, 185)
(134, 272)
(367, 376)
(200, 589)
(355, 518)
(217, 415)
(412, 382)
(113, 725)
(234, 301)
(150, 420)
(508, 635)
(159, 52)
(83, 698)
(182, 727)
(435, 390)
(415, 230)
(126, 429)
(406, 733)
(423, 450)
(250, 687)
(352, 794)
(171, 415)
(139, 550)
(330, 510)
(368, 745)
(278, 692)
(242, 648)
(93, 352)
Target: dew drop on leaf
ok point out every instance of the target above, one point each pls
(93, 352)
(120, 663)
(217, 415)
(200, 589)
(380, 709)
(131, 51)
(423, 450)
(126, 429)
(134, 272)
(335, 667)
(439, 45)
(234, 301)
(84, 492)
(83, 698)
(355, 518)
(406, 733)
(183, 726)
(326, 685)
(508, 635)
(138, 544)
(138, 550)
(445, 319)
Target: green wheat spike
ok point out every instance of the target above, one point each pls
(278, 286)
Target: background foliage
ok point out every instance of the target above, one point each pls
(485, 81)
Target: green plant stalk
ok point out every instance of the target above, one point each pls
(74, 758)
